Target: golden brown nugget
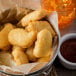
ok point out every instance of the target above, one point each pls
(33, 16)
(30, 55)
(4, 35)
(21, 38)
(19, 56)
(44, 59)
(43, 44)
(40, 25)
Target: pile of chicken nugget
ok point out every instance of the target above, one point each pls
(31, 39)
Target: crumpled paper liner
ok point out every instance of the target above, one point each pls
(11, 11)
(52, 73)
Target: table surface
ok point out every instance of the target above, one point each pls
(61, 71)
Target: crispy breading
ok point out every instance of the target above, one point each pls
(33, 16)
(4, 35)
(40, 25)
(21, 38)
(19, 56)
(43, 44)
(44, 59)
(30, 55)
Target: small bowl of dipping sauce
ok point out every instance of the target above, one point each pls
(67, 51)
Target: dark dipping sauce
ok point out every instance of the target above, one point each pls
(68, 50)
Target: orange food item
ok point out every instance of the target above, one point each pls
(49, 5)
(65, 9)
(66, 12)
(64, 21)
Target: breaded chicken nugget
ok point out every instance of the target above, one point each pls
(39, 25)
(44, 59)
(35, 15)
(4, 35)
(21, 38)
(19, 56)
(30, 55)
(43, 44)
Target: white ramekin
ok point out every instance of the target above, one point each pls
(67, 64)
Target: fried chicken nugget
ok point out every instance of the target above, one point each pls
(44, 59)
(4, 35)
(30, 55)
(47, 58)
(43, 44)
(19, 56)
(33, 16)
(39, 25)
(21, 38)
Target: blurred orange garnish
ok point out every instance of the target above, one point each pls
(65, 9)
(49, 5)
(64, 21)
